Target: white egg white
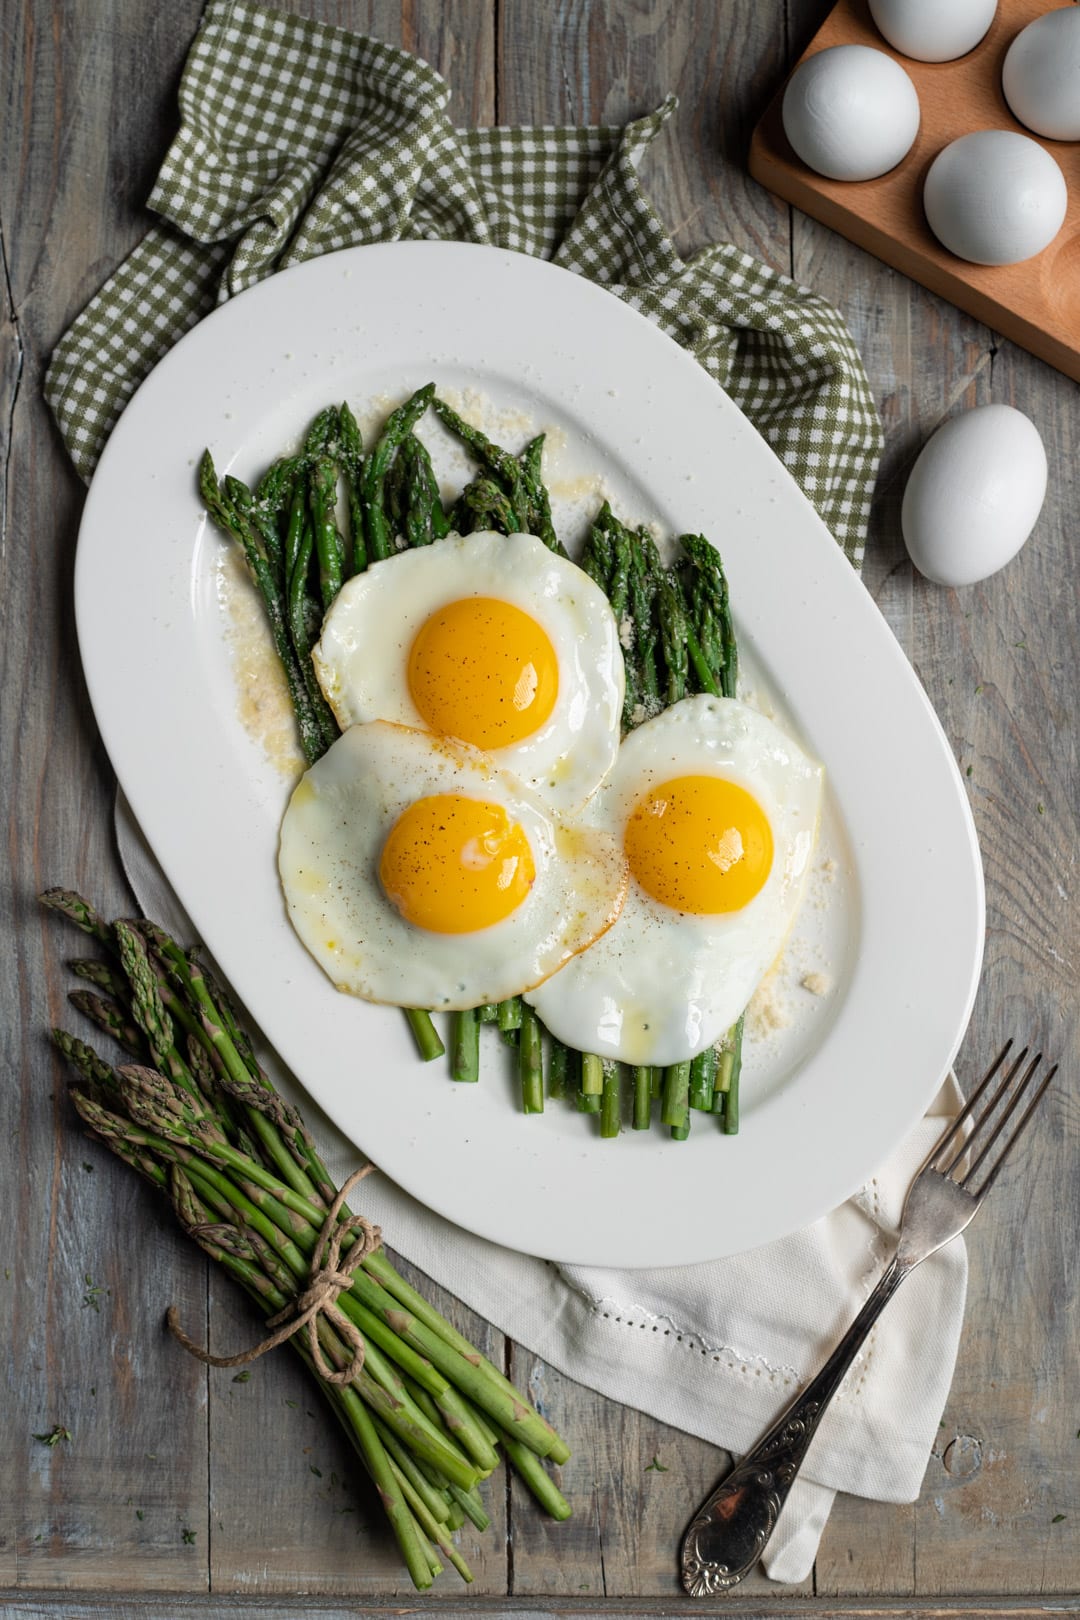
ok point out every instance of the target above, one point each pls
(362, 656)
(661, 985)
(332, 838)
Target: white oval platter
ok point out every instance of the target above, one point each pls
(822, 1108)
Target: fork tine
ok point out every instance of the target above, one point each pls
(992, 1173)
(965, 1113)
(1002, 1121)
(985, 1114)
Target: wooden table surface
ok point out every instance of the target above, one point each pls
(236, 1497)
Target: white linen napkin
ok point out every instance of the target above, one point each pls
(715, 1349)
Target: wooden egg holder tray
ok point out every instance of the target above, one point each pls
(1036, 303)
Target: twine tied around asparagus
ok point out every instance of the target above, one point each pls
(330, 1276)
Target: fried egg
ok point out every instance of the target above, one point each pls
(490, 639)
(717, 810)
(418, 873)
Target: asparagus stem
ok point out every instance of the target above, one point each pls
(530, 1062)
(388, 1485)
(465, 1045)
(536, 1477)
(702, 1079)
(642, 1098)
(394, 1283)
(428, 1041)
(429, 1524)
(536, 495)
(329, 544)
(436, 1501)
(731, 1096)
(373, 478)
(352, 459)
(592, 1075)
(611, 1100)
(505, 467)
(510, 1016)
(109, 1016)
(239, 527)
(471, 1505)
(459, 1418)
(558, 1075)
(674, 1109)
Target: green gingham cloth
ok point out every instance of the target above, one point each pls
(297, 139)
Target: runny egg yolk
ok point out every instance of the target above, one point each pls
(699, 844)
(483, 671)
(452, 865)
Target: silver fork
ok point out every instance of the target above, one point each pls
(730, 1530)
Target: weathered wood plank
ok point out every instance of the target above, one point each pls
(73, 175)
(298, 1528)
(130, 1606)
(457, 39)
(607, 62)
(597, 64)
(1010, 645)
(869, 1548)
(998, 1477)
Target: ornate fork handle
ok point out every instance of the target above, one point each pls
(729, 1533)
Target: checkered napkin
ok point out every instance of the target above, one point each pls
(297, 139)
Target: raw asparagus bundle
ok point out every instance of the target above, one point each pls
(194, 1113)
(677, 638)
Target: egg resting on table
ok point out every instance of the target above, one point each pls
(717, 810)
(491, 639)
(418, 873)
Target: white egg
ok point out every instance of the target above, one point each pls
(974, 494)
(491, 639)
(850, 112)
(417, 873)
(1041, 75)
(994, 197)
(933, 30)
(717, 810)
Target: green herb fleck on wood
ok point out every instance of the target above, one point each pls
(656, 1467)
(93, 1294)
(54, 1435)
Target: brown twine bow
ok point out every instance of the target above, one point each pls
(329, 1278)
